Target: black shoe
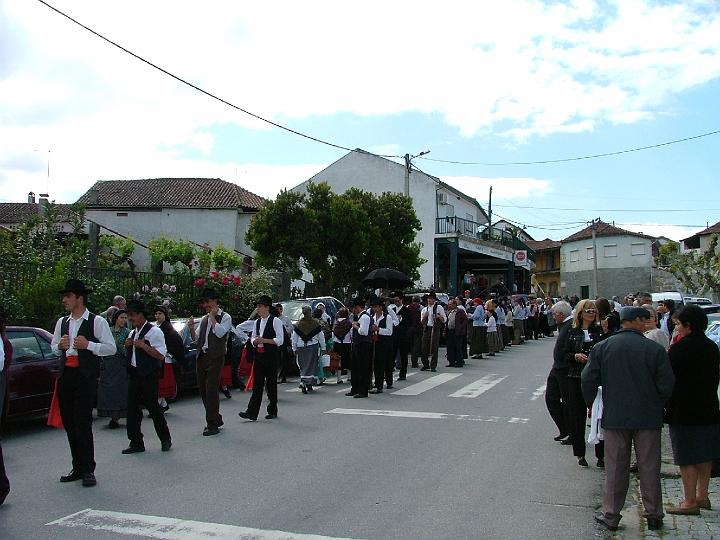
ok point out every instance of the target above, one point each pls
(350, 394)
(270, 416)
(424, 368)
(601, 463)
(360, 395)
(401, 378)
(582, 462)
(88, 480)
(389, 386)
(654, 524)
(566, 442)
(208, 431)
(132, 449)
(226, 393)
(166, 445)
(376, 391)
(246, 416)
(114, 424)
(433, 370)
(559, 437)
(304, 389)
(71, 476)
(601, 520)
(164, 409)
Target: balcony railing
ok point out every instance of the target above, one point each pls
(472, 229)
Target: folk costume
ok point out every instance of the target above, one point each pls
(342, 343)
(401, 337)
(383, 359)
(478, 345)
(361, 352)
(113, 383)
(144, 371)
(265, 363)
(77, 380)
(211, 352)
(175, 353)
(433, 317)
(307, 342)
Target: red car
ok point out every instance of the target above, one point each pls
(32, 374)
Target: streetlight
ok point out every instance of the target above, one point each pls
(408, 169)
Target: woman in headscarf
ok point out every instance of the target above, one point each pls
(175, 352)
(307, 342)
(113, 382)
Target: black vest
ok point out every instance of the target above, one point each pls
(268, 333)
(145, 365)
(89, 364)
(356, 337)
(406, 320)
(383, 324)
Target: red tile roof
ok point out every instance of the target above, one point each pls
(208, 193)
(603, 229)
(540, 245)
(712, 229)
(11, 213)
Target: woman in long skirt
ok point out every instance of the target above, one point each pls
(493, 338)
(308, 342)
(113, 382)
(478, 345)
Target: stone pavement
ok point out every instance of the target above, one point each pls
(706, 526)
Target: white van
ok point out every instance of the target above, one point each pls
(697, 300)
(668, 295)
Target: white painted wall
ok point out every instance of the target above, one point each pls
(197, 225)
(378, 175)
(624, 247)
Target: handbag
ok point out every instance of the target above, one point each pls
(334, 360)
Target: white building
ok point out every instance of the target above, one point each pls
(452, 222)
(624, 262)
(202, 210)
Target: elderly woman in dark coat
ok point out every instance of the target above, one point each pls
(693, 412)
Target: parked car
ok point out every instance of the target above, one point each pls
(668, 295)
(185, 373)
(32, 374)
(713, 328)
(293, 308)
(697, 300)
(710, 308)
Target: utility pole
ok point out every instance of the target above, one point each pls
(490, 214)
(594, 224)
(408, 169)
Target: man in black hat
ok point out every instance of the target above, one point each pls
(80, 339)
(267, 337)
(146, 351)
(433, 317)
(211, 351)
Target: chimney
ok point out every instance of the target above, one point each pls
(44, 198)
(31, 197)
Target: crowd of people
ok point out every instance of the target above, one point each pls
(633, 364)
(636, 367)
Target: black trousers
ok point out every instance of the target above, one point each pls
(533, 328)
(578, 420)
(143, 391)
(76, 398)
(415, 339)
(361, 353)
(556, 399)
(455, 345)
(4, 482)
(430, 345)
(401, 345)
(382, 351)
(264, 378)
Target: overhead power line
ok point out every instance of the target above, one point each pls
(611, 209)
(576, 158)
(195, 87)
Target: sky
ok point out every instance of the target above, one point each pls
(483, 82)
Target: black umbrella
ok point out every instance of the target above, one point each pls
(387, 278)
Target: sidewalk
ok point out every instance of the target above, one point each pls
(706, 526)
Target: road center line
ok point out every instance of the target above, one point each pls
(538, 393)
(171, 528)
(427, 384)
(428, 415)
(476, 388)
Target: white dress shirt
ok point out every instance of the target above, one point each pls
(364, 322)
(388, 330)
(154, 336)
(105, 347)
(392, 312)
(2, 356)
(277, 326)
(220, 329)
(299, 343)
(431, 320)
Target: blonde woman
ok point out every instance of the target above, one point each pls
(582, 337)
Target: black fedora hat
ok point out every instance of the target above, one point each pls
(136, 306)
(75, 286)
(209, 293)
(263, 300)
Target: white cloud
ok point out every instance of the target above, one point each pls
(674, 232)
(503, 187)
(559, 68)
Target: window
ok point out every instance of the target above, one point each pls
(610, 250)
(585, 291)
(46, 349)
(25, 346)
(637, 248)
(574, 255)
(590, 253)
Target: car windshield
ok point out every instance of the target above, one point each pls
(292, 309)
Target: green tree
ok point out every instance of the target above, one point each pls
(338, 238)
(697, 271)
(174, 252)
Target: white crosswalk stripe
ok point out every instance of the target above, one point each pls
(428, 415)
(476, 388)
(427, 384)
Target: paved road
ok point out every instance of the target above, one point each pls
(462, 453)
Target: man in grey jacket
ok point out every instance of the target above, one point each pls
(636, 380)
